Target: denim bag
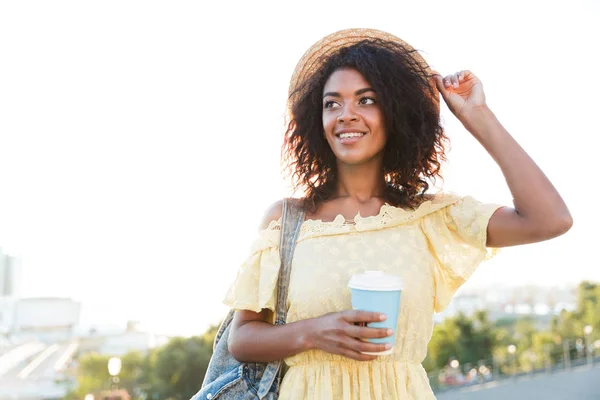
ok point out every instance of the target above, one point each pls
(227, 378)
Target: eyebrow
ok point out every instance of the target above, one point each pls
(357, 93)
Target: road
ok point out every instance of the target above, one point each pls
(34, 376)
(582, 383)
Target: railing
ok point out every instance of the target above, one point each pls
(456, 375)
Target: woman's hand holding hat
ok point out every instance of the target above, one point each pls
(462, 92)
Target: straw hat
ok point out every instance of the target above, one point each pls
(315, 57)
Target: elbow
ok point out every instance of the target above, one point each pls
(559, 226)
(240, 348)
(567, 223)
(563, 224)
(236, 349)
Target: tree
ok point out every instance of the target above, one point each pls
(468, 340)
(588, 304)
(176, 370)
(484, 336)
(546, 349)
(569, 324)
(442, 346)
(524, 330)
(92, 374)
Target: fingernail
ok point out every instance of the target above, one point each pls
(388, 346)
(390, 332)
(382, 317)
(455, 85)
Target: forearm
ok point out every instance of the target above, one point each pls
(535, 198)
(258, 341)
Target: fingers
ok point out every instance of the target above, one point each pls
(362, 316)
(368, 347)
(356, 348)
(358, 356)
(440, 83)
(455, 82)
(368, 333)
(452, 81)
(341, 335)
(361, 331)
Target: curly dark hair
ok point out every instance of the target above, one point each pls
(416, 141)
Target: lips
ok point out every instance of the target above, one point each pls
(349, 131)
(350, 137)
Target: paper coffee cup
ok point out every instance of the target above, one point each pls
(378, 292)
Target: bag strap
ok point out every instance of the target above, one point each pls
(292, 217)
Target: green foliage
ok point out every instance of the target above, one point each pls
(571, 324)
(462, 338)
(442, 346)
(473, 339)
(176, 370)
(92, 374)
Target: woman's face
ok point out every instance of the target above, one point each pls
(352, 118)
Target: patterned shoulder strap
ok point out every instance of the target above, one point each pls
(292, 217)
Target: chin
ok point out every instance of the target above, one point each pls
(355, 159)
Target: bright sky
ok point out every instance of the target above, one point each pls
(139, 140)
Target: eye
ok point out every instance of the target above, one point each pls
(367, 100)
(329, 104)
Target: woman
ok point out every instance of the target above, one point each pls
(363, 139)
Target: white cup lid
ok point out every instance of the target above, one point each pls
(375, 280)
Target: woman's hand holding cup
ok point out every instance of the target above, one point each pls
(340, 333)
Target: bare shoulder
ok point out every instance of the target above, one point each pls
(272, 213)
(275, 210)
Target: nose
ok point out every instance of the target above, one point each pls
(347, 114)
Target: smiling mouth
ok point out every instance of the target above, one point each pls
(350, 135)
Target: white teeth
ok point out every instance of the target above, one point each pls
(350, 135)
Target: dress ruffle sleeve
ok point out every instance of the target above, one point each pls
(457, 235)
(255, 287)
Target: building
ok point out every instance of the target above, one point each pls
(10, 290)
(10, 276)
(132, 339)
(44, 318)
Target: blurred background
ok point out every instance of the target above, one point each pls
(139, 148)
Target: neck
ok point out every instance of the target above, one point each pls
(360, 182)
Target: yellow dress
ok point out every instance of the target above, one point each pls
(434, 248)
